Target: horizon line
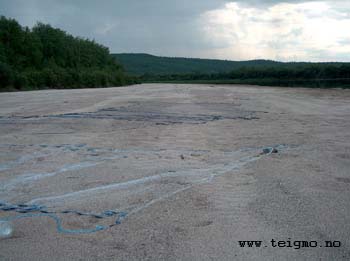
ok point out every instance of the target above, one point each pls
(217, 59)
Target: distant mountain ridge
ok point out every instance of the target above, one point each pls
(142, 63)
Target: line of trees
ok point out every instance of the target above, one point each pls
(288, 74)
(46, 57)
(151, 68)
(139, 64)
(305, 71)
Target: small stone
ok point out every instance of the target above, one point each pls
(266, 150)
(269, 150)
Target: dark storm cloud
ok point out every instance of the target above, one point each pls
(156, 26)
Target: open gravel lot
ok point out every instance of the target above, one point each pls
(175, 172)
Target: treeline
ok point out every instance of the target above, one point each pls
(46, 57)
(283, 74)
(312, 71)
(139, 64)
(152, 68)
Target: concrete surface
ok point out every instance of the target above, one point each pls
(185, 165)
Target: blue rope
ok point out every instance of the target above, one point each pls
(59, 226)
(28, 210)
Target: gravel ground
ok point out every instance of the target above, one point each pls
(175, 172)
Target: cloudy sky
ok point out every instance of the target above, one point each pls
(286, 30)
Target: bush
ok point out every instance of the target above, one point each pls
(6, 75)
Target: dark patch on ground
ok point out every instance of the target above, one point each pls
(204, 223)
(151, 113)
(158, 118)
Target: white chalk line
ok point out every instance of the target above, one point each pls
(209, 175)
(116, 154)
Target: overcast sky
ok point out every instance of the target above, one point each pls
(287, 30)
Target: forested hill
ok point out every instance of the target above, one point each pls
(151, 68)
(139, 64)
(46, 57)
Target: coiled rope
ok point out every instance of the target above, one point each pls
(29, 211)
